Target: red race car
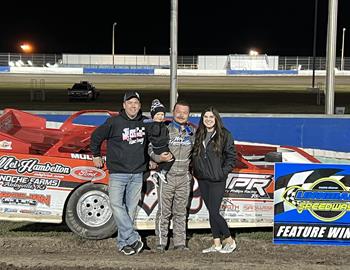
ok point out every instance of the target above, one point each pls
(47, 175)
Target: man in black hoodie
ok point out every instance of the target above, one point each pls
(127, 160)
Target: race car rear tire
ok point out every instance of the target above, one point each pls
(88, 212)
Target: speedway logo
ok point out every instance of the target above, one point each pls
(88, 173)
(312, 204)
(327, 199)
(31, 165)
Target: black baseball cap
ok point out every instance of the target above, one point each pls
(131, 94)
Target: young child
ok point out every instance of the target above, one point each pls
(159, 139)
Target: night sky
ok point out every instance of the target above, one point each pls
(221, 27)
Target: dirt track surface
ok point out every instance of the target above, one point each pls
(164, 81)
(74, 253)
(230, 94)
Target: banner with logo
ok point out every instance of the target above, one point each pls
(312, 204)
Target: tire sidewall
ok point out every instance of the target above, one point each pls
(77, 226)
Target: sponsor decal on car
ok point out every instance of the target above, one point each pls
(18, 182)
(228, 204)
(248, 185)
(8, 210)
(35, 212)
(149, 199)
(6, 145)
(88, 173)
(81, 156)
(18, 201)
(253, 207)
(23, 198)
(31, 165)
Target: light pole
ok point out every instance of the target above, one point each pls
(342, 51)
(173, 52)
(314, 45)
(331, 55)
(114, 25)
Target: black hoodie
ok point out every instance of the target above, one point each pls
(126, 143)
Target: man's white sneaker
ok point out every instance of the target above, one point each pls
(229, 248)
(213, 248)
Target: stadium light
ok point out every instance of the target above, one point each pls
(253, 53)
(26, 48)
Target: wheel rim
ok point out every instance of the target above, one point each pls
(93, 208)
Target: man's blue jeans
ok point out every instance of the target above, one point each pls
(124, 195)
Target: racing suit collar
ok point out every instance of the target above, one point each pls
(180, 127)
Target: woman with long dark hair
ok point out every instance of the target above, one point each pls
(213, 158)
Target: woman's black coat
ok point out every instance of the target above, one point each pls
(210, 166)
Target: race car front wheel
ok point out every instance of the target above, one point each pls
(88, 212)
